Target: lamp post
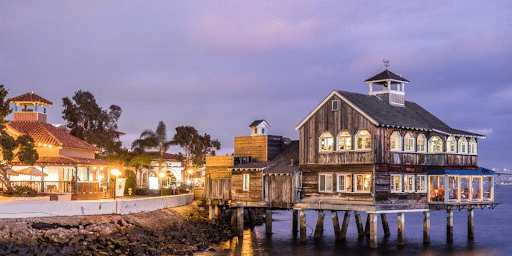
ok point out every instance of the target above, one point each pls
(189, 181)
(116, 173)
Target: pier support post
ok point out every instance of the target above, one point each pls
(471, 224)
(344, 227)
(211, 212)
(373, 230)
(240, 220)
(426, 227)
(336, 225)
(449, 225)
(367, 226)
(385, 225)
(319, 230)
(250, 216)
(295, 222)
(359, 224)
(233, 216)
(401, 228)
(216, 215)
(268, 219)
(303, 226)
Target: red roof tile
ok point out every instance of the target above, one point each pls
(64, 160)
(30, 97)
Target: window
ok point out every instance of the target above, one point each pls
(476, 189)
(326, 142)
(463, 145)
(363, 183)
(409, 183)
(325, 183)
(453, 188)
(396, 141)
(421, 183)
(246, 181)
(409, 142)
(451, 144)
(335, 105)
(472, 146)
(396, 183)
(487, 187)
(436, 188)
(344, 141)
(435, 144)
(422, 141)
(262, 130)
(344, 183)
(464, 188)
(363, 140)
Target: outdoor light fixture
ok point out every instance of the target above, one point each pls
(190, 171)
(100, 177)
(162, 174)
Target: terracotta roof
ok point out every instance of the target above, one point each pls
(386, 74)
(64, 160)
(48, 134)
(30, 97)
(167, 156)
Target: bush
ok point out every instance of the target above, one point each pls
(21, 191)
(130, 183)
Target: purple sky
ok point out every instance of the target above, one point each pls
(219, 65)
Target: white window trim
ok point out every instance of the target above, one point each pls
(462, 141)
(337, 105)
(400, 144)
(320, 142)
(344, 177)
(425, 144)
(448, 145)
(354, 183)
(418, 177)
(392, 182)
(357, 136)
(472, 141)
(430, 144)
(338, 141)
(406, 138)
(246, 181)
(411, 176)
(324, 191)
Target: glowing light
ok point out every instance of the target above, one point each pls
(162, 174)
(115, 172)
(100, 177)
(190, 171)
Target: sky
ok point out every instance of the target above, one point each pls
(219, 65)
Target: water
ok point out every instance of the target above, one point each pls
(493, 235)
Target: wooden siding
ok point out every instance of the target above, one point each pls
(219, 161)
(218, 177)
(262, 148)
(324, 120)
(255, 193)
(280, 189)
(218, 188)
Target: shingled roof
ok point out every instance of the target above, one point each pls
(281, 164)
(44, 133)
(384, 75)
(257, 122)
(30, 97)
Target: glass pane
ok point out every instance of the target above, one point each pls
(454, 188)
(349, 183)
(464, 187)
(475, 188)
(367, 182)
(322, 183)
(341, 182)
(359, 182)
(328, 182)
(487, 185)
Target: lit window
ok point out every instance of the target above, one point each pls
(487, 187)
(465, 191)
(472, 146)
(344, 141)
(435, 144)
(396, 141)
(409, 183)
(246, 181)
(325, 183)
(463, 145)
(422, 141)
(451, 144)
(344, 183)
(326, 142)
(421, 183)
(409, 142)
(476, 188)
(396, 183)
(363, 140)
(363, 183)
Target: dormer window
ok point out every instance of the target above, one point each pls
(326, 142)
(422, 142)
(363, 140)
(463, 145)
(435, 144)
(451, 144)
(409, 142)
(396, 141)
(344, 141)
(335, 105)
(472, 146)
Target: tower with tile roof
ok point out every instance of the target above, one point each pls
(30, 107)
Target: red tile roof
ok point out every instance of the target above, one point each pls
(64, 160)
(48, 134)
(30, 97)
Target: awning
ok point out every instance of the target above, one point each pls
(479, 171)
(32, 172)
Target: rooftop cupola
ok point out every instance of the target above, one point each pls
(259, 127)
(390, 86)
(30, 107)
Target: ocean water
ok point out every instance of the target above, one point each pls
(493, 235)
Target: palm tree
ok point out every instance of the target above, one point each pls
(154, 139)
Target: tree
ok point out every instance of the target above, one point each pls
(21, 148)
(154, 139)
(89, 122)
(196, 146)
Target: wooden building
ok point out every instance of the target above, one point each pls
(375, 152)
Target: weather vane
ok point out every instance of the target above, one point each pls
(386, 63)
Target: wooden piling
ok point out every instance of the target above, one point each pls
(295, 222)
(426, 227)
(250, 216)
(471, 224)
(385, 225)
(372, 217)
(367, 226)
(319, 230)
(401, 228)
(344, 227)
(449, 225)
(268, 218)
(217, 212)
(233, 216)
(302, 226)
(359, 224)
(211, 212)
(240, 220)
(336, 225)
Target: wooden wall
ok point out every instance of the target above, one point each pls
(280, 189)
(255, 193)
(218, 177)
(262, 148)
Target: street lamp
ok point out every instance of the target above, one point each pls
(116, 173)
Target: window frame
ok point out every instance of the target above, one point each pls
(246, 182)
(431, 144)
(364, 176)
(471, 150)
(409, 137)
(346, 135)
(392, 183)
(406, 187)
(418, 183)
(325, 135)
(337, 103)
(363, 144)
(345, 179)
(451, 141)
(422, 138)
(395, 135)
(325, 180)
(462, 142)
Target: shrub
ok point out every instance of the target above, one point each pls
(21, 191)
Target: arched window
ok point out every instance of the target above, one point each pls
(326, 142)
(396, 141)
(421, 143)
(463, 145)
(472, 146)
(435, 144)
(363, 140)
(409, 142)
(344, 141)
(451, 144)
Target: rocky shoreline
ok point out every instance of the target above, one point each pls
(177, 231)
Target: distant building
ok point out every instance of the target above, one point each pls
(172, 170)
